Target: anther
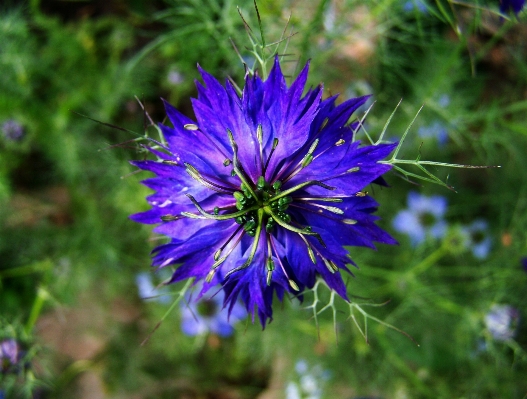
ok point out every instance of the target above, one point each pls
(361, 194)
(354, 169)
(217, 254)
(190, 126)
(270, 268)
(340, 142)
(169, 218)
(169, 162)
(324, 123)
(259, 134)
(293, 285)
(227, 162)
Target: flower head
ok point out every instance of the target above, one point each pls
(435, 130)
(418, 5)
(477, 238)
(523, 261)
(501, 321)
(148, 291)
(515, 5)
(262, 191)
(307, 383)
(9, 354)
(208, 315)
(12, 130)
(422, 218)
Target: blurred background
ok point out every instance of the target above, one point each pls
(77, 296)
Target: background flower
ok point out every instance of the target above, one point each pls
(411, 5)
(207, 315)
(478, 239)
(9, 354)
(515, 5)
(435, 130)
(422, 218)
(148, 291)
(502, 321)
(12, 130)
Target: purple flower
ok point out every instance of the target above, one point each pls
(501, 321)
(175, 77)
(418, 5)
(12, 130)
(477, 238)
(262, 191)
(424, 217)
(524, 263)
(148, 291)
(207, 314)
(9, 354)
(516, 5)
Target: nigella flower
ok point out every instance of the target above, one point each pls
(12, 130)
(523, 261)
(262, 191)
(208, 315)
(418, 5)
(515, 5)
(477, 238)
(436, 130)
(309, 382)
(9, 354)
(502, 321)
(148, 291)
(424, 217)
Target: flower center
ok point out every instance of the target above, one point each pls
(261, 197)
(427, 219)
(207, 308)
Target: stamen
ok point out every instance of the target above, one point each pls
(305, 231)
(290, 280)
(299, 186)
(332, 209)
(270, 262)
(309, 250)
(309, 156)
(259, 137)
(190, 126)
(330, 265)
(219, 261)
(270, 268)
(324, 123)
(254, 247)
(306, 160)
(361, 194)
(170, 218)
(169, 162)
(327, 199)
(293, 285)
(193, 172)
(236, 165)
(215, 217)
(218, 252)
(275, 144)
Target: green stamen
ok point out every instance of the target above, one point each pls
(254, 247)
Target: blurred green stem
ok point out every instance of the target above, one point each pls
(41, 297)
